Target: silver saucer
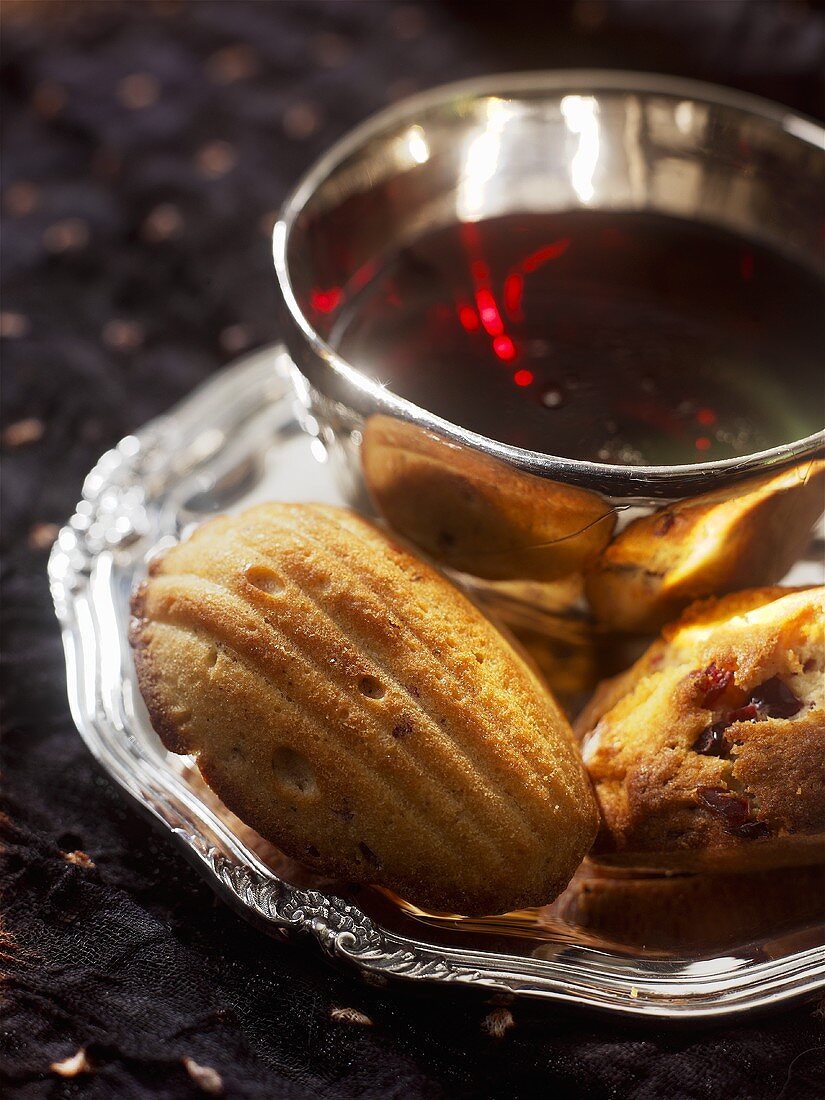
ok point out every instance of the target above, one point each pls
(237, 441)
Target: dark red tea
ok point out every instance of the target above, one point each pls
(615, 337)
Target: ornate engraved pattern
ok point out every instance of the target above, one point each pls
(125, 508)
(113, 510)
(340, 928)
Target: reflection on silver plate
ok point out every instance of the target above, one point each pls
(234, 442)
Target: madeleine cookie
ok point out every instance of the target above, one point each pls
(544, 622)
(681, 912)
(708, 546)
(352, 706)
(476, 513)
(710, 751)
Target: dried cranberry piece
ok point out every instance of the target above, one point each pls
(775, 699)
(734, 809)
(712, 683)
(748, 713)
(711, 741)
(753, 830)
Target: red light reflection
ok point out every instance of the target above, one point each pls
(325, 301)
(523, 377)
(504, 348)
(488, 312)
(486, 304)
(548, 252)
(468, 318)
(364, 274)
(513, 290)
(480, 271)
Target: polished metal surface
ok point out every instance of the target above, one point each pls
(539, 142)
(234, 442)
(543, 142)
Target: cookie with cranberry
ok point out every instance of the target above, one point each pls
(710, 751)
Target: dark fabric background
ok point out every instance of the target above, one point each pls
(146, 150)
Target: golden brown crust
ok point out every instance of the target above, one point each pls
(710, 751)
(543, 621)
(707, 546)
(477, 514)
(674, 645)
(705, 912)
(356, 709)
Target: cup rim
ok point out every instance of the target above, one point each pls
(629, 482)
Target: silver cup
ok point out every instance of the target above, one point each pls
(538, 532)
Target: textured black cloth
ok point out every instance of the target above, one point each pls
(146, 150)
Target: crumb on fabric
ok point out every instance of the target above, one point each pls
(79, 859)
(66, 235)
(42, 535)
(350, 1016)
(498, 1022)
(23, 432)
(205, 1077)
(72, 1066)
